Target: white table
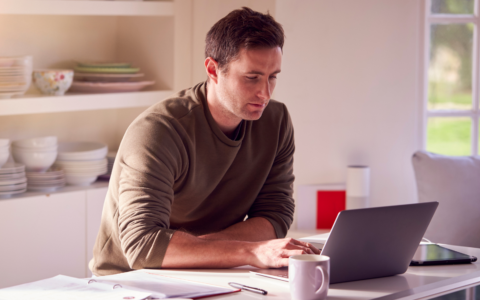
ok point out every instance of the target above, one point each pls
(416, 283)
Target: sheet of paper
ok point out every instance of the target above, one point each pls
(163, 286)
(68, 288)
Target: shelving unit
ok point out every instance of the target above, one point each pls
(85, 7)
(152, 35)
(34, 104)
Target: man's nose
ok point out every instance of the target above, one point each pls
(265, 91)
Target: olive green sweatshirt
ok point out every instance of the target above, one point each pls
(176, 170)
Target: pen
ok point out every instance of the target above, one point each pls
(247, 288)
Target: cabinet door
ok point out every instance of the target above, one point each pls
(41, 237)
(95, 200)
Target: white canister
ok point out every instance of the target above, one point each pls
(358, 187)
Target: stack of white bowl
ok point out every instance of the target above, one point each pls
(37, 154)
(12, 179)
(82, 162)
(15, 75)
(4, 151)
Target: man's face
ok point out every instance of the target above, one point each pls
(245, 90)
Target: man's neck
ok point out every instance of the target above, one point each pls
(226, 121)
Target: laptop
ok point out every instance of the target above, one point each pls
(371, 242)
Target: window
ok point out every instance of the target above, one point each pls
(452, 77)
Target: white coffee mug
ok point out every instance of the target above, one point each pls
(309, 276)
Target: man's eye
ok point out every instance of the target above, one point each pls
(252, 78)
(273, 77)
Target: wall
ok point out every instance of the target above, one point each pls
(350, 78)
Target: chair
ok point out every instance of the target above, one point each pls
(455, 183)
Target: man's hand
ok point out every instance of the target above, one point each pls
(275, 253)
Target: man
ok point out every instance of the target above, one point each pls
(191, 168)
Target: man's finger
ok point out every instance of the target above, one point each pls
(314, 249)
(305, 244)
(299, 247)
(283, 262)
(288, 253)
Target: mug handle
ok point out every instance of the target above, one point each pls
(319, 268)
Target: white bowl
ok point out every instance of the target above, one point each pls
(43, 149)
(35, 161)
(53, 82)
(5, 149)
(4, 157)
(95, 172)
(80, 180)
(4, 143)
(78, 151)
(81, 163)
(38, 142)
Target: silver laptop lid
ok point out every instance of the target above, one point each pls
(376, 242)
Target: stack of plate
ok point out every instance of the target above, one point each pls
(4, 151)
(49, 181)
(110, 159)
(15, 75)
(12, 179)
(82, 162)
(107, 78)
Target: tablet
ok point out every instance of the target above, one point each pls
(433, 254)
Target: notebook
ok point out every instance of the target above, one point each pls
(140, 284)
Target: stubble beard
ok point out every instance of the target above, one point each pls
(232, 106)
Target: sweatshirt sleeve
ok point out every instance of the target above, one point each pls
(275, 202)
(151, 158)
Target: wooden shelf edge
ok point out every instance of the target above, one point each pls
(86, 7)
(79, 102)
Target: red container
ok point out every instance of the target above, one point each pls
(329, 204)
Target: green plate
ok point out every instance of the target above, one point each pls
(107, 70)
(103, 65)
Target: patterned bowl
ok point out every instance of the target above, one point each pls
(53, 82)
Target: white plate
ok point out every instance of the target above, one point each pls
(13, 181)
(99, 77)
(44, 183)
(47, 185)
(12, 176)
(109, 87)
(52, 172)
(12, 187)
(46, 177)
(12, 167)
(11, 193)
(8, 95)
(44, 188)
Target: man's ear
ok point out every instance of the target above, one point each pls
(211, 66)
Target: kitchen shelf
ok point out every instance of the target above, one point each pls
(34, 104)
(66, 189)
(86, 7)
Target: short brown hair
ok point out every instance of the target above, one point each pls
(242, 28)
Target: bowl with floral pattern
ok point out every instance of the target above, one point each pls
(53, 82)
